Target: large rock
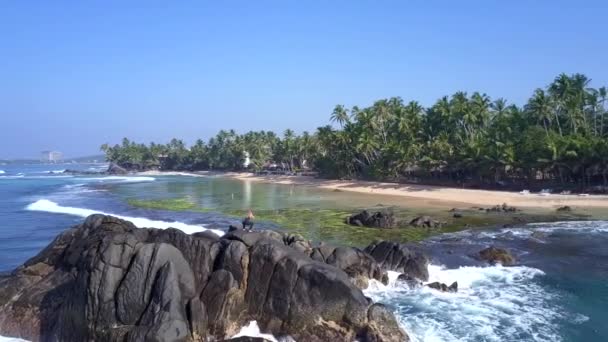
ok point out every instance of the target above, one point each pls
(407, 259)
(495, 255)
(425, 221)
(115, 169)
(443, 287)
(379, 219)
(106, 280)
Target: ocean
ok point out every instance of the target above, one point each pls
(558, 291)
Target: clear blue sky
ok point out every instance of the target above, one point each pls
(73, 76)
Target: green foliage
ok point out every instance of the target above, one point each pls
(559, 135)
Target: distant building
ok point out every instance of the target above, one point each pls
(247, 160)
(51, 156)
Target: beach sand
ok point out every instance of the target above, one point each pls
(482, 198)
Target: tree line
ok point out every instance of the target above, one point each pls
(558, 137)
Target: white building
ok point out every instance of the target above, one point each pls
(51, 156)
(247, 160)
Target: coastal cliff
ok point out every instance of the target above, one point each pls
(106, 279)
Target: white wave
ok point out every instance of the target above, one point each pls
(2, 172)
(79, 189)
(52, 207)
(562, 226)
(493, 303)
(253, 330)
(122, 179)
(100, 168)
(11, 177)
(54, 171)
(11, 339)
(49, 177)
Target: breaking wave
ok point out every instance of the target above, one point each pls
(493, 303)
(52, 207)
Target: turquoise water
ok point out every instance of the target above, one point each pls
(557, 292)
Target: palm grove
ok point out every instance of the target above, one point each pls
(558, 136)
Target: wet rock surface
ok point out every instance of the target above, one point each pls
(494, 255)
(379, 219)
(443, 287)
(425, 221)
(407, 259)
(107, 280)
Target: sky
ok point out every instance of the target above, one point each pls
(77, 74)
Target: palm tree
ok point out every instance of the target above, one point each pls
(540, 107)
(602, 93)
(340, 115)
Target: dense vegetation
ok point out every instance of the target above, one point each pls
(558, 137)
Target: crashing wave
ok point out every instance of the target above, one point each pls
(253, 330)
(52, 207)
(2, 172)
(493, 303)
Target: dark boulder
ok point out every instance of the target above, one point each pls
(359, 265)
(379, 219)
(382, 327)
(564, 208)
(443, 287)
(410, 281)
(495, 255)
(106, 280)
(115, 169)
(405, 258)
(425, 221)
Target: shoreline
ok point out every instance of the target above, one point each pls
(485, 198)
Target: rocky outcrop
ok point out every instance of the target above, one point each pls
(425, 221)
(379, 219)
(410, 281)
(358, 265)
(495, 255)
(443, 287)
(403, 258)
(501, 208)
(107, 280)
(115, 169)
(564, 208)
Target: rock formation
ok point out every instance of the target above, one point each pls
(115, 169)
(379, 219)
(443, 287)
(404, 258)
(495, 255)
(106, 280)
(425, 221)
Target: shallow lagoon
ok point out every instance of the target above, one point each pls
(316, 214)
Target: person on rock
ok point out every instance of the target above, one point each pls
(248, 221)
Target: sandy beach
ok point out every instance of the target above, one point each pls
(484, 198)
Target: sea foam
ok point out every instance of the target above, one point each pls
(492, 304)
(54, 171)
(11, 339)
(253, 330)
(2, 172)
(121, 179)
(52, 207)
